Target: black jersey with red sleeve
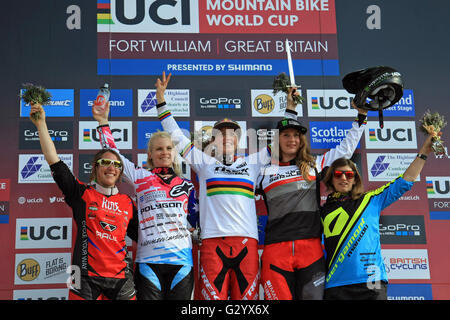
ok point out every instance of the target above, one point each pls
(102, 224)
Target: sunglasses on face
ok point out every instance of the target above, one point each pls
(107, 162)
(348, 174)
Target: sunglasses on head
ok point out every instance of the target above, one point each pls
(107, 162)
(348, 174)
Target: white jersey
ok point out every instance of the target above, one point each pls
(226, 192)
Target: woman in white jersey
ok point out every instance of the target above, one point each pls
(229, 262)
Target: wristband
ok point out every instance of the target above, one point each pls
(422, 156)
(361, 119)
(161, 104)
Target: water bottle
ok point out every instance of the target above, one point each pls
(102, 98)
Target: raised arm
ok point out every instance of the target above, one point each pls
(195, 157)
(348, 145)
(414, 169)
(47, 145)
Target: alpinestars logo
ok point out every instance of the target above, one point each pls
(149, 102)
(379, 167)
(30, 168)
(181, 189)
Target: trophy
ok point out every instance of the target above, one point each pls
(433, 123)
(35, 94)
(282, 82)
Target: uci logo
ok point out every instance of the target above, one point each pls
(384, 135)
(154, 16)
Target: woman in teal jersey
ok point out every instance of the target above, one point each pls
(351, 217)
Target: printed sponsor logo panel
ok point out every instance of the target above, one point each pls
(43, 233)
(33, 168)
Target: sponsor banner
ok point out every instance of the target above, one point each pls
(266, 104)
(405, 107)
(438, 187)
(388, 166)
(330, 103)
(206, 128)
(216, 46)
(4, 212)
(41, 294)
(406, 263)
(43, 233)
(214, 37)
(221, 103)
(147, 128)
(120, 102)
(207, 67)
(217, 16)
(394, 135)
(326, 135)
(33, 168)
(177, 101)
(88, 137)
(60, 105)
(61, 133)
(265, 131)
(41, 268)
(5, 189)
(402, 229)
(438, 191)
(409, 291)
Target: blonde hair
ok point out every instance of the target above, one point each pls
(176, 166)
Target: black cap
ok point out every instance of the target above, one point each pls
(287, 123)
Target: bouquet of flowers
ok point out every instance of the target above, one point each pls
(433, 123)
(282, 83)
(35, 94)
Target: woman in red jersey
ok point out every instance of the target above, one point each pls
(103, 217)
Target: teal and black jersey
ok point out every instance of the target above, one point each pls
(351, 232)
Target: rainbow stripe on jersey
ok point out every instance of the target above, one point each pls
(237, 186)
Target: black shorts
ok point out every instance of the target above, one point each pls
(164, 281)
(99, 288)
(358, 291)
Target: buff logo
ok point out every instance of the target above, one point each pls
(28, 269)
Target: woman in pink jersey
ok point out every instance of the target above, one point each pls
(166, 203)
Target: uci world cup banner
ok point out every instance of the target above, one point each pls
(216, 37)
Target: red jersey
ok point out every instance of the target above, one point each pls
(103, 217)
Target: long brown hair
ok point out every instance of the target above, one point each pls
(358, 187)
(304, 160)
(94, 164)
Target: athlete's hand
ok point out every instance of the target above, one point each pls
(161, 86)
